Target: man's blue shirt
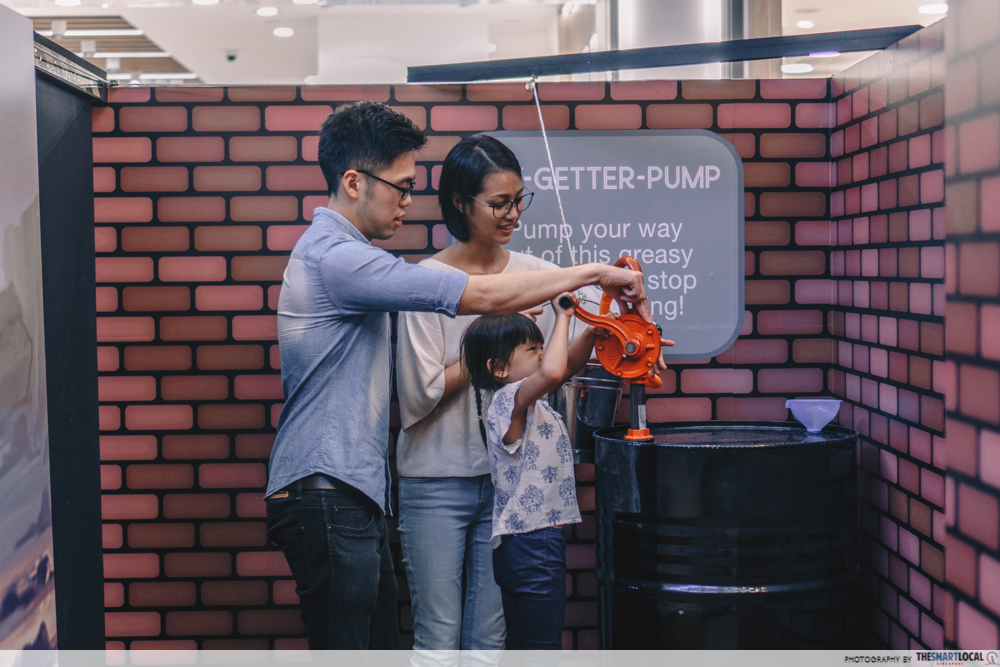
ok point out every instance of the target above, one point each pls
(334, 336)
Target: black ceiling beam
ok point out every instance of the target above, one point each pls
(736, 50)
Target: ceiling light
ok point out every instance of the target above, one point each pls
(110, 32)
(805, 25)
(937, 8)
(305, 2)
(267, 11)
(517, 2)
(155, 76)
(825, 54)
(797, 68)
(205, 2)
(112, 64)
(283, 32)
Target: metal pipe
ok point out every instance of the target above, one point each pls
(637, 399)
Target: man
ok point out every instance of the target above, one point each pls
(328, 492)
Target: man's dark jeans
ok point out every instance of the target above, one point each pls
(336, 546)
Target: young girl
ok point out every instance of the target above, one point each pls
(531, 462)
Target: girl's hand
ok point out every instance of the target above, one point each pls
(571, 310)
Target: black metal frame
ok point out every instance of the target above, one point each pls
(66, 209)
(736, 50)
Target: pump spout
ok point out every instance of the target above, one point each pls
(637, 399)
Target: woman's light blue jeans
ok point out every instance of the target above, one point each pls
(445, 524)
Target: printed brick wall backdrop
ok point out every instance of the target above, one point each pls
(972, 484)
(201, 194)
(887, 268)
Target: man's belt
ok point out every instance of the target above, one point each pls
(311, 483)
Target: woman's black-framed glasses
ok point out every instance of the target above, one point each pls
(502, 210)
(404, 192)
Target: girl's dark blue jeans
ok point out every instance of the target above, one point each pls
(531, 572)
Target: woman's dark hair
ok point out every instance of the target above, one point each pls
(494, 338)
(466, 167)
(364, 135)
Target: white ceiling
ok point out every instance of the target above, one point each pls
(374, 40)
(836, 15)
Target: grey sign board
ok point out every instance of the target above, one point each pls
(672, 199)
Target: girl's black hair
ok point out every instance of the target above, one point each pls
(494, 338)
(465, 168)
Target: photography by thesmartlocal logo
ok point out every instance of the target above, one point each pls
(877, 659)
(958, 657)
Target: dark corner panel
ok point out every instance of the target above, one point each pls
(66, 188)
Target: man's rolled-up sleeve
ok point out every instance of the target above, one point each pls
(361, 278)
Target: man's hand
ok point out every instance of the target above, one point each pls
(626, 287)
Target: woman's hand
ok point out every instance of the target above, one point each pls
(661, 363)
(602, 332)
(531, 313)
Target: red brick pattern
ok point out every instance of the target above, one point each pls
(199, 205)
(972, 279)
(887, 320)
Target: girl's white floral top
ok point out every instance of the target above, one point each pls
(533, 479)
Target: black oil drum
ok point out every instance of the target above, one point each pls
(727, 535)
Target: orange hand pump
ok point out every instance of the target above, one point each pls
(631, 352)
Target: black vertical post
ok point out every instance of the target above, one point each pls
(733, 22)
(613, 27)
(613, 33)
(66, 203)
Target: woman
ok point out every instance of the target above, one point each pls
(445, 491)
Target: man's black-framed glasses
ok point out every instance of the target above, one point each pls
(404, 191)
(502, 210)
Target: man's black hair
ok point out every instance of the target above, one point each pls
(467, 165)
(364, 135)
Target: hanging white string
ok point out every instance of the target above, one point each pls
(564, 238)
(533, 86)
